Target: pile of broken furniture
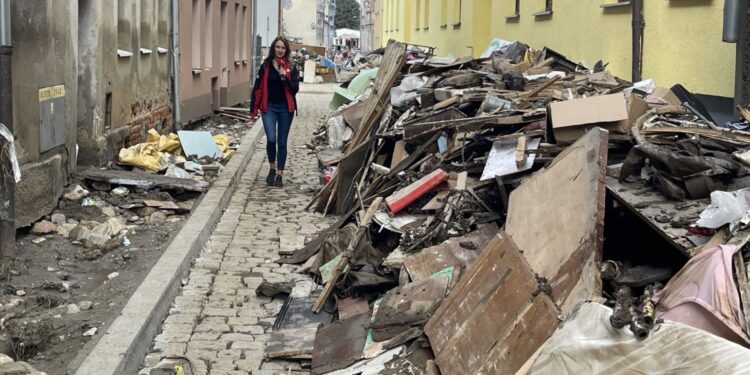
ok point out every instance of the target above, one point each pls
(472, 197)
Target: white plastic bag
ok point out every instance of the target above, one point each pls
(335, 132)
(406, 91)
(725, 208)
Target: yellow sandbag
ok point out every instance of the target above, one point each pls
(223, 142)
(144, 155)
(166, 143)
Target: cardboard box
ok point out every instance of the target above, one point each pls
(663, 96)
(569, 120)
(637, 107)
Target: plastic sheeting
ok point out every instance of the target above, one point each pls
(703, 295)
(587, 344)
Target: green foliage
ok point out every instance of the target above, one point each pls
(347, 14)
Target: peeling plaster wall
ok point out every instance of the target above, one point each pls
(45, 52)
(140, 84)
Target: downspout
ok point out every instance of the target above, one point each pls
(176, 62)
(638, 26)
(7, 181)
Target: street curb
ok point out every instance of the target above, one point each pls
(128, 339)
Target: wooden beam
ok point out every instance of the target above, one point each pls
(344, 261)
(521, 151)
(540, 88)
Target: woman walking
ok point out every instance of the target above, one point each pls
(274, 95)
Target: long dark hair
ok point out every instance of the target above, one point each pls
(272, 49)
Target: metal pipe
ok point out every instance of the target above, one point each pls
(731, 21)
(7, 182)
(638, 26)
(177, 112)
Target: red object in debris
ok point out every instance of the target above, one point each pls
(404, 197)
(700, 231)
(328, 175)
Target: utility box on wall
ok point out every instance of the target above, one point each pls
(51, 117)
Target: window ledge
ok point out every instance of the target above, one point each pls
(244, 62)
(457, 25)
(444, 26)
(238, 63)
(161, 50)
(197, 71)
(425, 28)
(513, 17)
(542, 13)
(145, 51)
(615, 5)
(123, 53)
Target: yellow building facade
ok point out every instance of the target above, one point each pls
(682, 38)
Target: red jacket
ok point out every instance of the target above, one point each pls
(259, 97)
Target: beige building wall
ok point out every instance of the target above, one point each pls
(215, 55)
(300, 17)
(123, 75)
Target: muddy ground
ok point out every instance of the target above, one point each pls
(49, 285)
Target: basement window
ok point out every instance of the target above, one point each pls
(516, 14)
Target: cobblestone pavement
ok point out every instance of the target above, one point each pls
(217, 319)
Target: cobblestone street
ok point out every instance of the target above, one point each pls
(217, 319)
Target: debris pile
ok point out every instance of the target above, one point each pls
(484, 201)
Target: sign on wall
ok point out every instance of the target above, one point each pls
(51, 117)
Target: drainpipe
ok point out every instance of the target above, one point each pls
(638, 26)
(176, 61)
(738, 33)
(7, 182)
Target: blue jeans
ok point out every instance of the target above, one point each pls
(277, 118)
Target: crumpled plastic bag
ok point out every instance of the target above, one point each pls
(165, 143)
(222, 141)
(725, 208)
(335, 133)
(406, 91)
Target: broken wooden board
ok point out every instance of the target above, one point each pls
(463, 124)
(502, 159)
(292, 343)
(349, 307)
(354, 113)
(340, 344)
(399, 153)
(437, 202)
(144, 180)
(491, 311)
(409, 305)
(556, 217)
(669, 218)
(455, 252)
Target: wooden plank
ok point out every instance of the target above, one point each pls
(521, 151)
(144, 180)
(344, 261)
(488, 309)
(458, 252)
(404, 197)
(540, 88)
(437, 202)
(399, 153)
(467, 124)
(235, 109)
(291, 343)
(740, 272)
(556, 217)
(719, 134)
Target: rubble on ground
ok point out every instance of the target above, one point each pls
(485, 202)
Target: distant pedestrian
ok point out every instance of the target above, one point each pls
(274, 95)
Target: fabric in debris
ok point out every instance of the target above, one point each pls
(703, 295)
(5, 133)
(588, 344)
